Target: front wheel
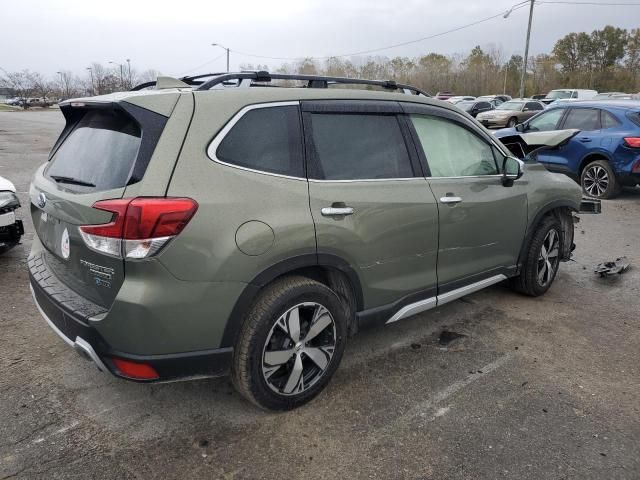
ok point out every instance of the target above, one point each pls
(290, 344)
(513, 121)
(598, 180)
(542, 259)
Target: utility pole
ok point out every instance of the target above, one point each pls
(526, 51)
(506, 70)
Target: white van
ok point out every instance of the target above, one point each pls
(565, 94)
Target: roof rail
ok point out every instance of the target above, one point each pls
(313, 81)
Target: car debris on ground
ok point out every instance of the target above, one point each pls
(619, 266)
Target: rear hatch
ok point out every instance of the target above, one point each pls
(103, 148)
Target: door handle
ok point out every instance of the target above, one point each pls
(450, 199)
(336, 211)
(585, 139)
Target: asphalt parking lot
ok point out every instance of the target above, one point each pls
(544, 388)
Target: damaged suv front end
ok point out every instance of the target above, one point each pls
(526, 146)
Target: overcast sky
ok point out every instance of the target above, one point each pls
(175, 36)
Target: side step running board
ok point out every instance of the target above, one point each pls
(429, 303)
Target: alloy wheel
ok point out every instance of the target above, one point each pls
(299, 348)
(596, 180)
(549, 257)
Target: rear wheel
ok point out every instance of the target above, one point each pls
(542, 259)
(290, 344)
(598, 180)
(513, 121)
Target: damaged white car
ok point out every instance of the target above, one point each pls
(11, 228)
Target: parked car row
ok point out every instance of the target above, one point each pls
(30, 102)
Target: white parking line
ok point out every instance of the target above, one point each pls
(430, 408)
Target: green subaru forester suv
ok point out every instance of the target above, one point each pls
(217, 226)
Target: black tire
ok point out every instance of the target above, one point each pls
(264, 322)
(529, 281)
(599, 180)
(513, 121)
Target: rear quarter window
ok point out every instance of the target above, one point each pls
(634, 117)
(265, 139)
(101, 151)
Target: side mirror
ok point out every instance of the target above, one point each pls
(512, 170)
(521, 127)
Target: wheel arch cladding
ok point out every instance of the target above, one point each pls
(330, 270)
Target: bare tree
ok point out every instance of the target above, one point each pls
(21, 83)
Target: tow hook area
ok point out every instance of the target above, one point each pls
(590, 205)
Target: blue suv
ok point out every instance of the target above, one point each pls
(604, 156)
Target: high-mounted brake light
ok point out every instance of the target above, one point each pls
(632, 142)
(140, 227)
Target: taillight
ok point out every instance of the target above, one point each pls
(140, 227)
(632, 142)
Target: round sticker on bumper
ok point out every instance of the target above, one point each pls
(64, 244)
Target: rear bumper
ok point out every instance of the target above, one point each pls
(91, 345)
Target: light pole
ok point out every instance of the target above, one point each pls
(506, 70)
(121, 75)
(91, 72)
(62, 87)
(129, 73)
(224, 48)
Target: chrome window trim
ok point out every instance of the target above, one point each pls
(402, 179)
(217, 140)
(495, 175)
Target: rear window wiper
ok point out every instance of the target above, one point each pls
(71, 180)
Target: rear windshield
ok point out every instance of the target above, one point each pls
(465, 105)
(559, 94)
(99, 154)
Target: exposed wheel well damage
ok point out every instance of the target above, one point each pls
(567, 217)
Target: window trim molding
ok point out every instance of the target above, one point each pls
(212, 148)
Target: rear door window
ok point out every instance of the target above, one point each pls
(358, 146)
(586, 119)
(99, 153)
(266, 139)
